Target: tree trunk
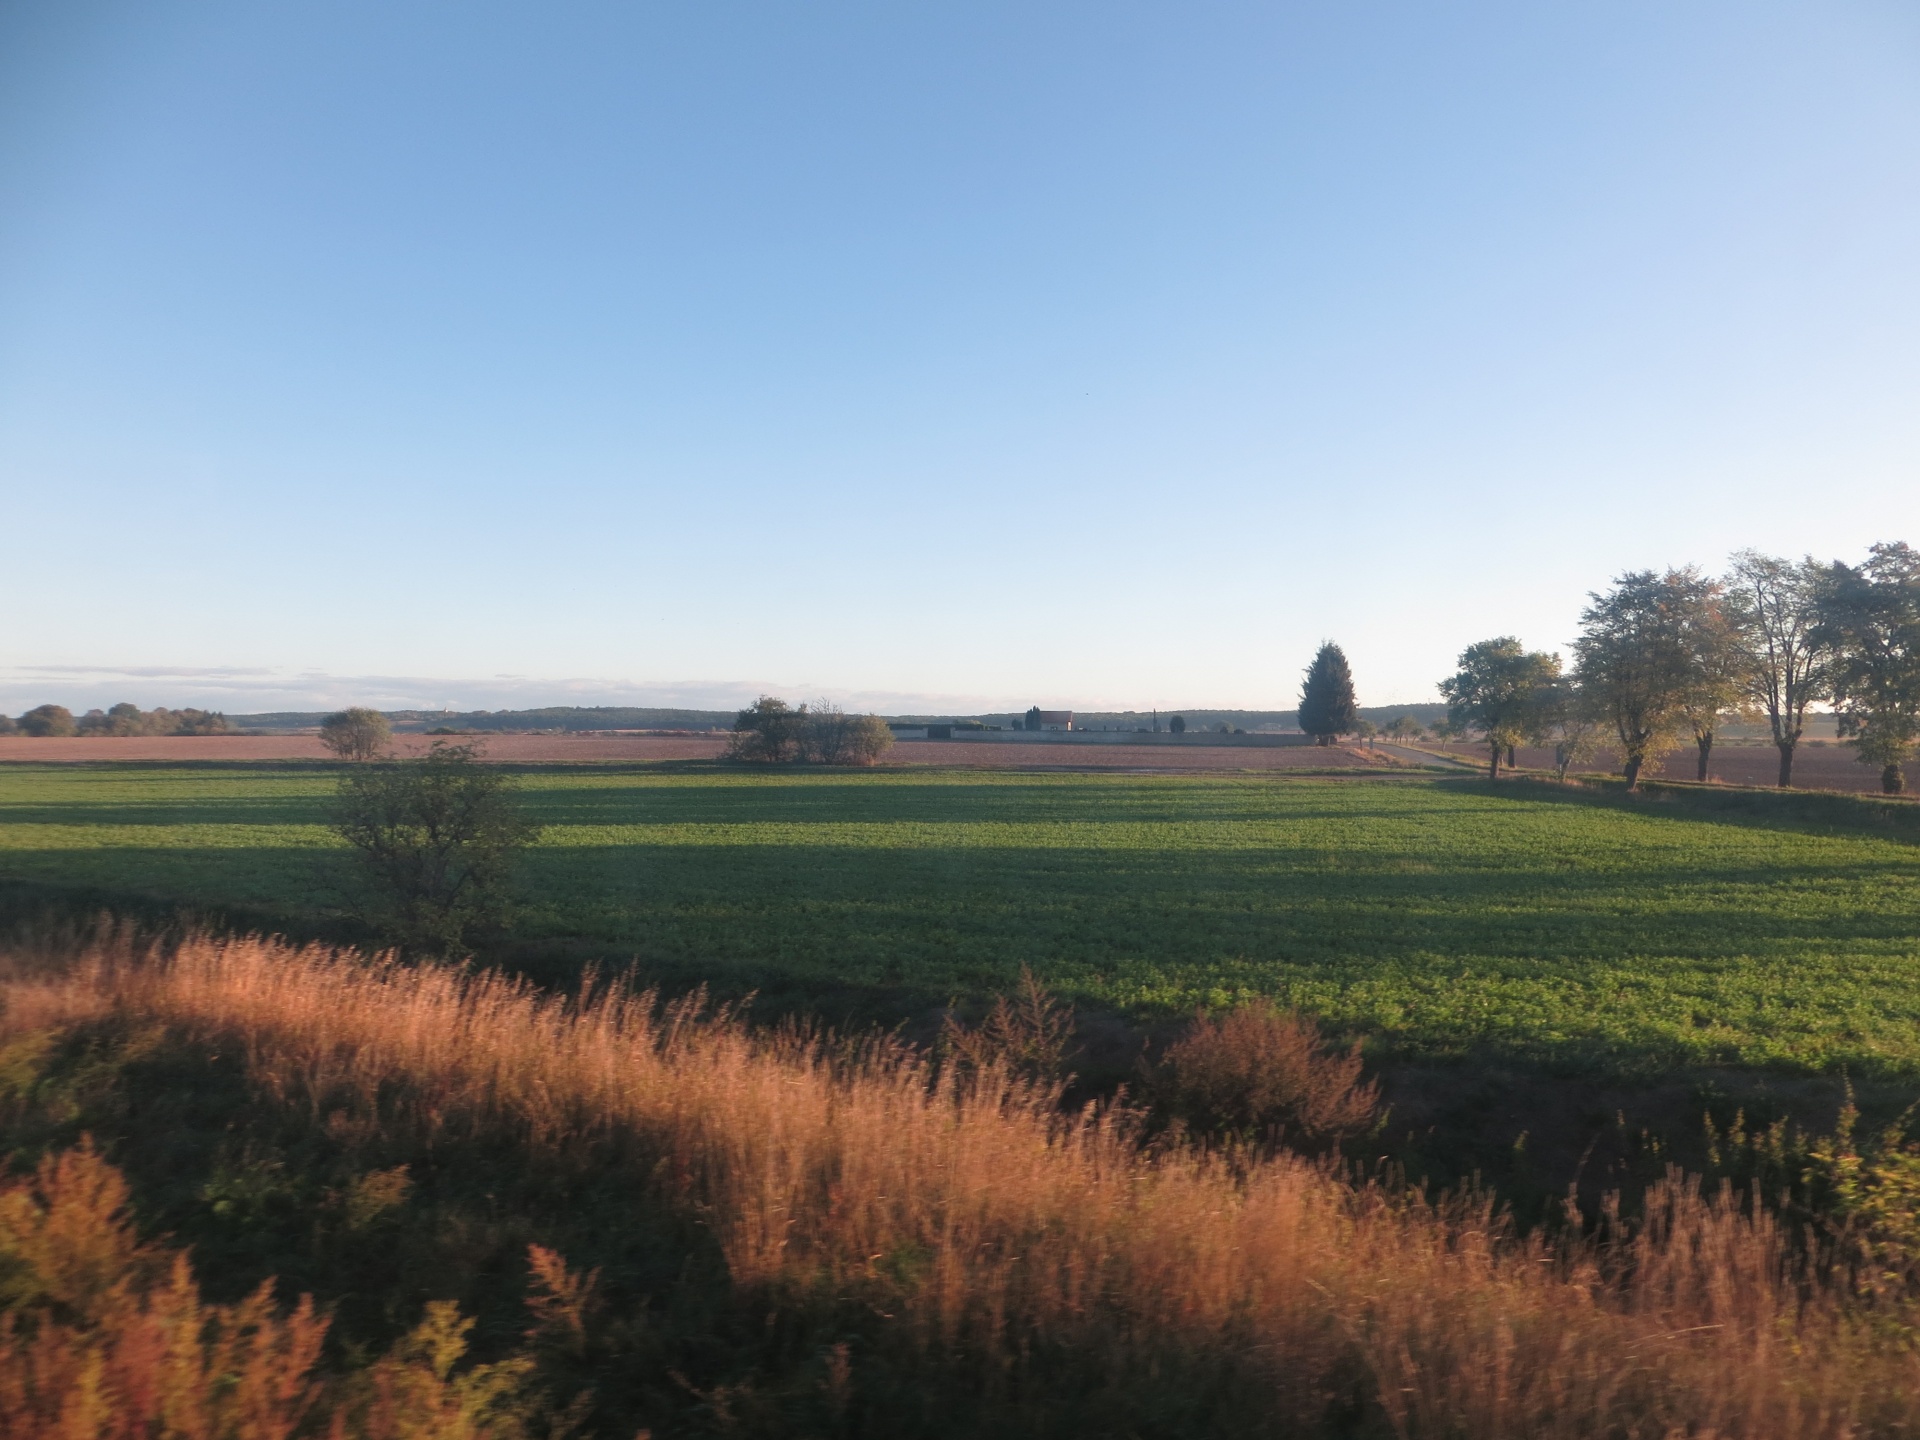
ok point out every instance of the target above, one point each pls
(1634, 757)
(1786, 764)
(1493, 769)
(1705, 742)
(1512, 764)
(1892, 780)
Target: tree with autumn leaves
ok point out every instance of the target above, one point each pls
(1664, 657)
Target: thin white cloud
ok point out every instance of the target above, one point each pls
(191, 672)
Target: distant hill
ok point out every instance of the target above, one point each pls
(571, 717)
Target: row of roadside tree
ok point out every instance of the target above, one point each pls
(1664, 659)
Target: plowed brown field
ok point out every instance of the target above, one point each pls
(1057, 755)
(1821, 767)
(526, 749)
(176, 749)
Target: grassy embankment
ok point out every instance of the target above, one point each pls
(674, 1222)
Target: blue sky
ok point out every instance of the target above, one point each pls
(1086, 354)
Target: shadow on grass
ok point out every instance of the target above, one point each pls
(1548, 951)
(1820, 812)
(625, 794)
(1443, 916)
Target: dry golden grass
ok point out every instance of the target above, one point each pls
(1024, 1255)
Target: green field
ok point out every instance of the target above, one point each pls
(1434, 914)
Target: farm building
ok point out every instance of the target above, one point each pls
(1038, 719)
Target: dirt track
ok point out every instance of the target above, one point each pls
(613, 747)
(1815, 767)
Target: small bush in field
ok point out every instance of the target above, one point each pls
(1029, 1033)
(834, 737)
(437, 838)
(1261, 1072)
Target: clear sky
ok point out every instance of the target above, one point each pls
(1074, 353)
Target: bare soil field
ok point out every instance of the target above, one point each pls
(1815, 767)
(589, 747)
(176, 749)
(1011, 755)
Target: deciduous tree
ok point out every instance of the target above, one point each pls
(48, 720)
(186, 722)
(356, 734)
(1713, 692)
(1783, 660)
(1328, 708)
(768, 731)
(1872, 628)
(1635, 658)
(1564, 719)
(868, 741)
(826, 735)
(1496, 691)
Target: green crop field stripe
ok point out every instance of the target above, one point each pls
(1434, 913)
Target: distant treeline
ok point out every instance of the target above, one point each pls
(123, 719)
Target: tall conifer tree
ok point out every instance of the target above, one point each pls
(1327, 706)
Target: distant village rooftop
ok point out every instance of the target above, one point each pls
(1038, 719)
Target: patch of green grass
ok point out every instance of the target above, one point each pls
(1440, 915)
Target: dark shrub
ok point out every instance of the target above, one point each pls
(1260, 1073)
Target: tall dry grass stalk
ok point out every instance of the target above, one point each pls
(1024, 1255)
